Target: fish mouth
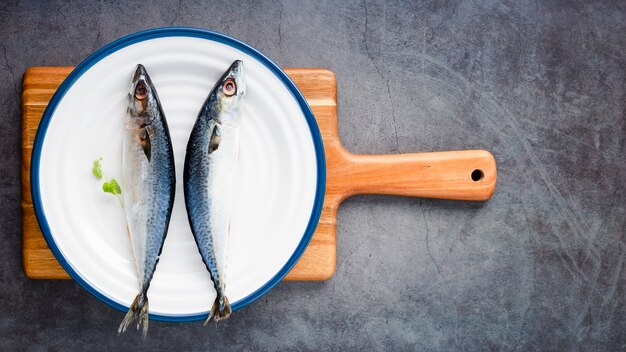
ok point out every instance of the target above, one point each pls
(140, 72)
(141, 79)
(236, 66)
(140, 90)
(140, 75)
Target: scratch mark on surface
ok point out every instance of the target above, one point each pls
(384, 19)
(332, 296)
(176, 13)
(280, 26)
(382, 77)
(393, 117)
(610, 208)
(95, 42)
(497, 134)
(271, 333)
(345, 259)
(565, 211)
(433, 31)
(443, 19)
(521, 330)
(6, 63)
(562, 133)
(532, 293)
(505, 11)
(614, 282)
(456, 324)
(427, 244)
(366, 40)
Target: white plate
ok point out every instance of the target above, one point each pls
(280, 185)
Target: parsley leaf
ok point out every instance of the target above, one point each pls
(110, 185)
(115, 187)
(96, 169)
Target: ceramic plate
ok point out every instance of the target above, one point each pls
(280, 185)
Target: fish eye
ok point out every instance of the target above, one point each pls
(141, 92)
(229, 87)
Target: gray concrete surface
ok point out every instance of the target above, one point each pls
(540, 266)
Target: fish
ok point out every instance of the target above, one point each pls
(209, 178)
(148, 184)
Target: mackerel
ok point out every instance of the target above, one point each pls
(209, 175)
(148, 183)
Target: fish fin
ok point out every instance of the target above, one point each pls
(219, 313)
(215, 139)
(144, 140)
(137, 311)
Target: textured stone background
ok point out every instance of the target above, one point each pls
(541, 84)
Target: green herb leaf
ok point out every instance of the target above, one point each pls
(96, 170)
(110, 185)
(115, 187)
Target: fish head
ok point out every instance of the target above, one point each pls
(143, 102)
(230, 90)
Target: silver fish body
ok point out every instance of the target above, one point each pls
(148, 186)
(209, 175)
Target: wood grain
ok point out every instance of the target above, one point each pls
(446, 175)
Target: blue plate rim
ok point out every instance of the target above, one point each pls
(161, 33)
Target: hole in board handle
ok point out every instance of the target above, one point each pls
(477, 175)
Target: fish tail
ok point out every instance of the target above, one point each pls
(137, 311)
(220, 310)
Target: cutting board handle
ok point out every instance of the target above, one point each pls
(457, 175)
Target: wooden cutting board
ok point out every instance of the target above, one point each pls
(461, 175)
